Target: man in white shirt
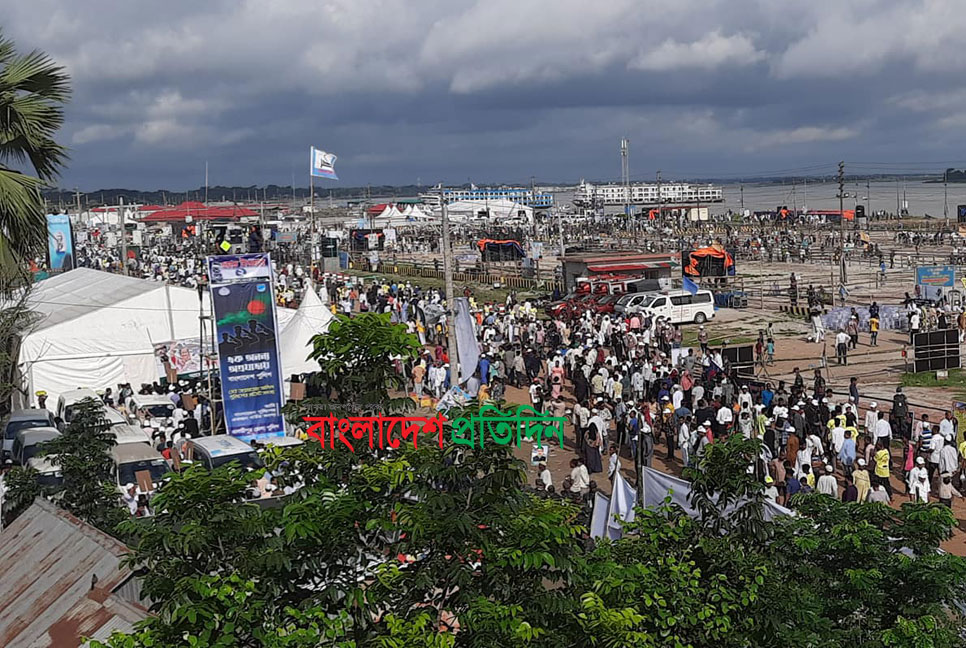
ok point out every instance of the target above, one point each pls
(724, 417)
(614, 463)
(543, 475)
(745, 400)
(580, 476)
(771, 492)
(842, 340)
(935, 450)
(871, 417)
(838, 438)
(827, 484)
(883, 431)
(946, 425)
(919, 481)
(131, 497)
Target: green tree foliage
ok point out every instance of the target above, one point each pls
(33, 90)
(22, 488)
(83, 453)
(410, 542)
(357, 366)
(445, 548)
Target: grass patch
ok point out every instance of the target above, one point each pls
(956, 380)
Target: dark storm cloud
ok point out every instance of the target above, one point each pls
(496, 90)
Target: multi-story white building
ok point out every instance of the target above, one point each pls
(521, 195)
(671, 193)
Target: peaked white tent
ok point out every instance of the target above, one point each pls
(97, 329)
(311, 318)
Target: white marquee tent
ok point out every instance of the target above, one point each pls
(96, 329)
(311, 318)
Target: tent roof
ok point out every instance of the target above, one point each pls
(311, 318)
(69, 295)
(197, 211)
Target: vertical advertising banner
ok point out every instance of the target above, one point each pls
(246, 328)
(60, 243)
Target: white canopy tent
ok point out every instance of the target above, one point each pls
(96, 329)
(311, 318)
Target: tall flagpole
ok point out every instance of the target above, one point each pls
(311, 207)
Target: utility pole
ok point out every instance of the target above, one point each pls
(897, 198)
(206, 183)
(450, 300)
(120, 213)
(868, 199)
(77, 199)
(842, 222)
(660, 198)
(625, 177)
(946, 196)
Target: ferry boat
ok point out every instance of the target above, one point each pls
(520, 195)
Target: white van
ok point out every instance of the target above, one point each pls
(67, 401)
(680, 306)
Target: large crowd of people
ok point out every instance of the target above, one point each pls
(629, 384)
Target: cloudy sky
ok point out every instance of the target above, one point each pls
(498, 90)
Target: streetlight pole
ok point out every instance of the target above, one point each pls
(842, 222)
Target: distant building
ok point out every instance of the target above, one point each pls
(520, 195)
(602, 264)
(671, 193)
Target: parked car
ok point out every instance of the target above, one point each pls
(605, 303)
(67, 403)
(125, 433)
(221, 449)
(132, 458)
(49, 474)
(26, 445)
(631, 302)
(145, 406)
(24, 419)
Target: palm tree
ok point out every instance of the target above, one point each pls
(33, 90)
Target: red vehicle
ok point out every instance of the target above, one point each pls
(606, 303)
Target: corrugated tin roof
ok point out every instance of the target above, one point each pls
(81, 291)
(47, 563)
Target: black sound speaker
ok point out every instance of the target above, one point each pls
(742, 358)
(936, 350)
(860, 211)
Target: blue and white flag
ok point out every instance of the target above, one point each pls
(322, 164)
(690, 286)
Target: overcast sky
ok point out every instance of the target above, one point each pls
(497, 90)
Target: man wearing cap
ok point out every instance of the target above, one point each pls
(919, 481)
(745, 401)
(771, 493)
(827, 484)
(936, 445)
(871, 416)
(862, 480)
(41, 399)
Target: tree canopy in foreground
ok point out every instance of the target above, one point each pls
(435, 547)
